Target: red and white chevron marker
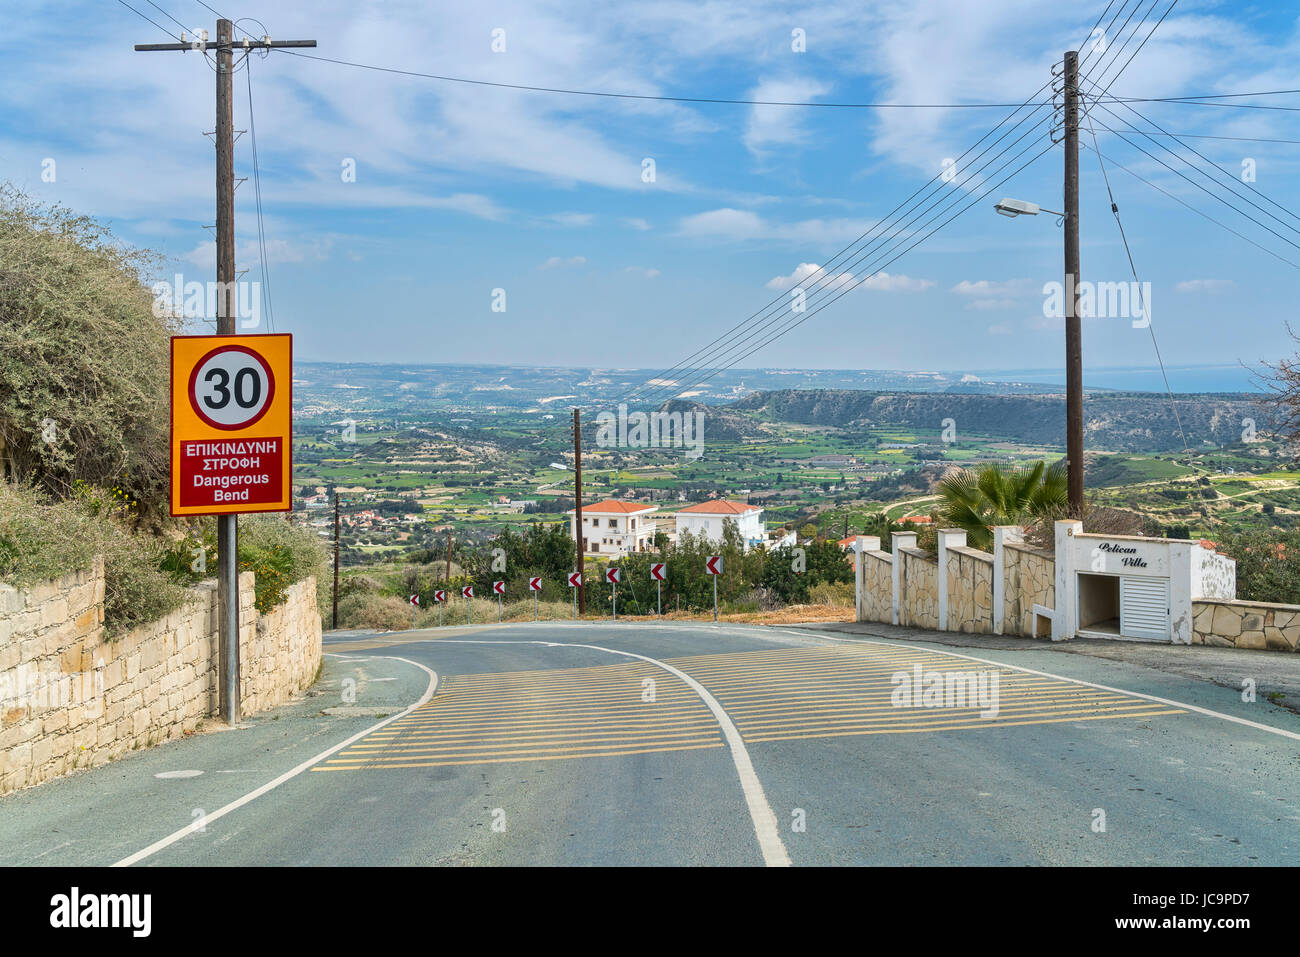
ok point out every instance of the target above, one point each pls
(440, 596)
(499, 588)
(467, 591)
(414, 600)
(535, 584)
(613, 575)
(714, 565)
(657, 571)
(575, 579)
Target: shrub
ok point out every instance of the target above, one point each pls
(1268, 565)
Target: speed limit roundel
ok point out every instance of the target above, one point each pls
(231, 387)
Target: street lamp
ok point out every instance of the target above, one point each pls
(1020, 207)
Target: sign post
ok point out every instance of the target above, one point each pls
(468, 594)
(231, 452)
(575, 582)
(612, 575)
(415, 606)
(438, 598)
(714, 568)
(500, 589)
(535, 585)
(657, 573)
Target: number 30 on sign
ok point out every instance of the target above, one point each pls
(232, 422)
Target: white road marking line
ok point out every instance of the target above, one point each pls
(1078, 681)
(760, 812)
(235, 805)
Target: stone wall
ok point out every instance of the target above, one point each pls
(970, 590)
(876, 595)
(919, 602)
(1029, 579)
(1255, 625)
(70, 698)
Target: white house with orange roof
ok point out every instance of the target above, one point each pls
(612, 529)
(707, 518)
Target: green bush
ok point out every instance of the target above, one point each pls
(1268, 565)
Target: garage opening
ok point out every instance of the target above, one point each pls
(1099, 604)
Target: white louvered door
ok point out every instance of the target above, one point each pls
(1144, 608)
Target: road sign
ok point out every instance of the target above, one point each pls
(575, 579)
(414, 600)
(535, 584)
(613, 575)
(467, 591)
(714, 565)
(657, 575)
(231, 424)
(499, 588)
(440, 596)
(657, 571)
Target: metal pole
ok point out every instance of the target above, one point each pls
(659, 599)
(575, 604)
(498, 609)
(336, 561)
(439, 614)
(615, 606)
(469, 616)
(579, 595)
(715, 596)
(1073, 328)
(534, 606)
(227, 525)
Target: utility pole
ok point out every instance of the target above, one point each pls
(336, 560)
(227, 525)
(1073, 328)
(577, 512)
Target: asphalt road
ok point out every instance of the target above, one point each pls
(695, 744)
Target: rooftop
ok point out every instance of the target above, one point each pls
(719, 507)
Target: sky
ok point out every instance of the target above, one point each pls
(399, 210)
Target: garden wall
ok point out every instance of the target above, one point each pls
(71, 698)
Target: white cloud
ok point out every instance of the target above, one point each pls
(885, 282)
(999, 329)
(555, 261)
(779, 125)
(637, 223)
(573, 219)
(741, 224)
(811, 276)
(1204, 285)
(992, 287)
(647, 273)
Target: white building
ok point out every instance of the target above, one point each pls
(612, 529)
(706, 519)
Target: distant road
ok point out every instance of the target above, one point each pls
(683, 743)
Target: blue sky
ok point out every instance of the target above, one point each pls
(460, 189)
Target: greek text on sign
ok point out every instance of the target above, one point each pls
(231, 415)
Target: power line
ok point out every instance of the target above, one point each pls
(646, 96)
(257, 193)
(825, 277)
(1118, 165)
(1144, 306)
(145, 17)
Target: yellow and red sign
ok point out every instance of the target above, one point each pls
(232, 424)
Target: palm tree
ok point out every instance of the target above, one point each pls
(992, 494)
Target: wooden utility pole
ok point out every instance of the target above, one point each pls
(1073, 328)
(579, 543)
(227, 525)
(336, 561)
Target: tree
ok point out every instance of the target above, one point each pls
(992, 494)
(1281, 384)
(84, 361)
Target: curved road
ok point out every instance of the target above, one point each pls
(627, 743)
